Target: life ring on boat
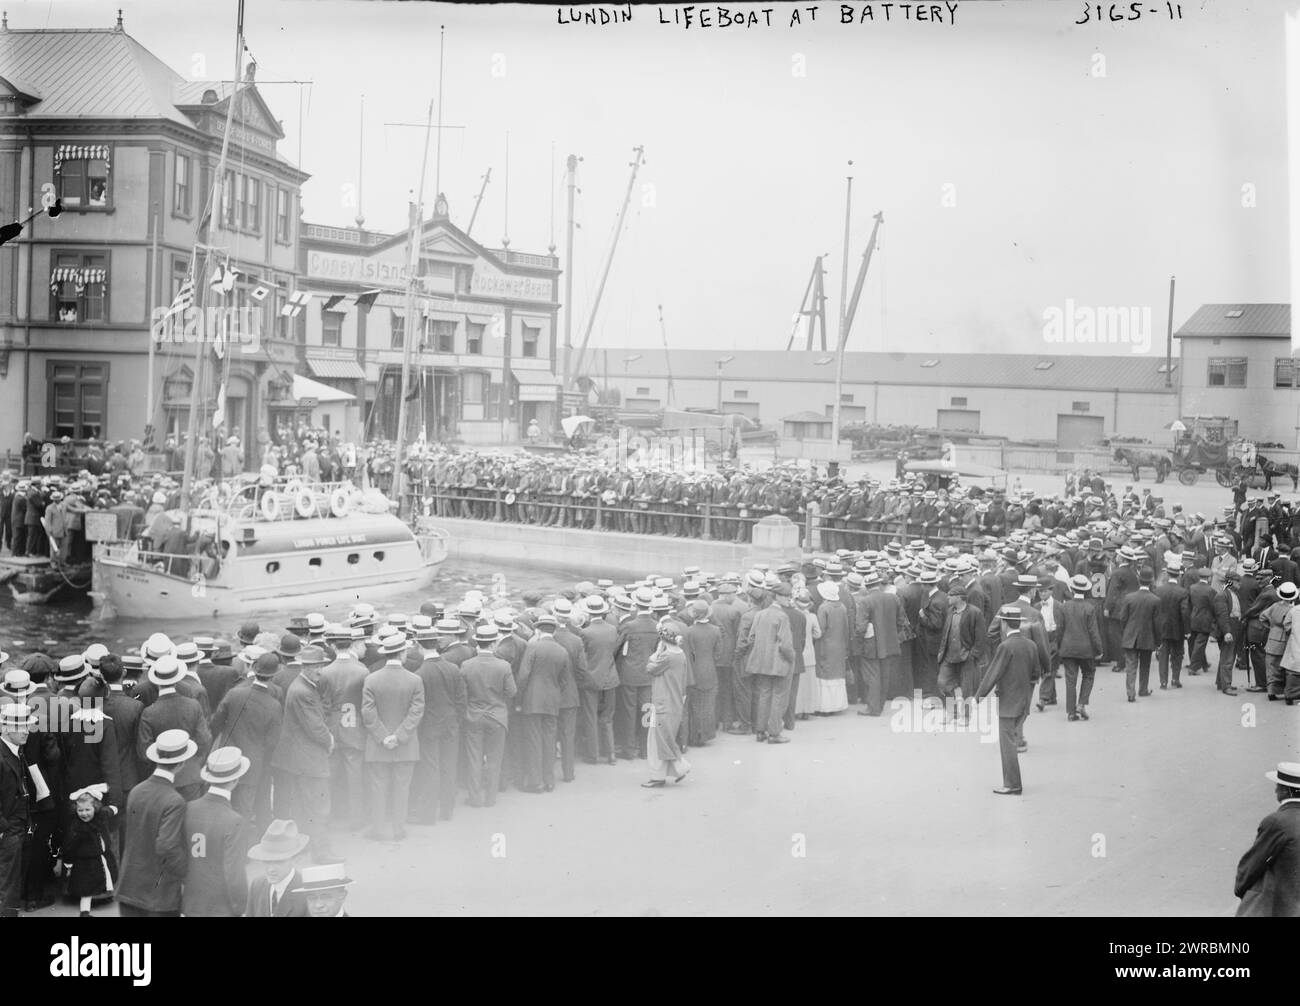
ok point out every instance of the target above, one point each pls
(304, 503)
(271, 506)
(340, 503)
(510, 499)
(293, 487)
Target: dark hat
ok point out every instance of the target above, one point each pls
(313, 656)
(290, 646)
(1145, 575)
(248, 632)
(281, 841)
(266, 666)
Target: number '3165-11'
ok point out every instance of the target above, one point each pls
(1127, 12)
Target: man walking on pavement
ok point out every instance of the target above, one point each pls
(1139, 614)
(1227, 629)
(1175, 615)
(1011, 672)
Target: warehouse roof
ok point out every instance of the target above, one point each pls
(1253, 321)
(950, 370)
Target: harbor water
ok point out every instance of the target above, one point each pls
(72, 626)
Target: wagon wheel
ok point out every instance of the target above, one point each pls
(1188, 476)
(1223, 476)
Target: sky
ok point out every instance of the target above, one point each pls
(1022, 162)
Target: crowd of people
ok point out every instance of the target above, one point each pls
(120, 766)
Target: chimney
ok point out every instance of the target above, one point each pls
(119, 20)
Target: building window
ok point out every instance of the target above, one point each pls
(643, 391)
(958, 403)
(846, 399)
(1079, 406)
(180, 271)
(397, 337)
(1227, 372)
(228, 201)
(77, 395)
(472, 388)
(740, 396)
(1284, 372)
(1044, 364)
(253, 205)
(82, 176)
(439, 270)
(464, 274)
(474, 337)
(331, 328)
(182, 189)
(79, 287)
(532, 336)
(282, 215)
(442, 336)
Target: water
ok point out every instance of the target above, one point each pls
(72, 626)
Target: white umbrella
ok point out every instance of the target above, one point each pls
(1177, 426)
(571, 423)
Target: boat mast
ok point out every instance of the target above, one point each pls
(618, 229)
(200, 278)
(413, 264)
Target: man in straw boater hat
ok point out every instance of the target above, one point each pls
(489, 692)
(1012, 672)
(325, 888)
(154, 857)
(343, 680)
(16, 800)
(173, 711)
(1268, 876)
(281, 853)
(249, 718)
(301, 761)
(392, 704)
(216, 835)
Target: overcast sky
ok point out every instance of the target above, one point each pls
(1066, 184)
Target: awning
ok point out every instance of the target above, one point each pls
(480, 319)
(537, 392)
(348, 369)
(305, 387)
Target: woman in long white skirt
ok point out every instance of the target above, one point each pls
(806, 698)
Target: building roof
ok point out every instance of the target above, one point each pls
(949, 370)
(1250, 321)
(90, 73)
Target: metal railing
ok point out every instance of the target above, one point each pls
(705, 521)
(182, 567)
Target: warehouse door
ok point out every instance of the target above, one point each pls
(959, 420)
(1079, 431)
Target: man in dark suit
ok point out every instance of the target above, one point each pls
(301, 761)
(271, 894)
(1012, 673)
(16, 721)
(42, 752)
(173, 711)
(489, 694)
(216, 672)
(343, 681)
(1175, 616)
(961, 644)
(1139, 615)
(154, 858)
(216, 838)
(1227, 629)
(1256, 628)
(122, 712)
(433, 790)
(249, 718)
(1250, 647)
(638, 637)
(392, 705)
(541, 679)
(566, 725)
(1200, 621)
(1268, 875)
(1079, 645)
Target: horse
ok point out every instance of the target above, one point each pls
(1272, 469)
(1136, 459)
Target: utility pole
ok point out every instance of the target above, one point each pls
(618, 230)
(477, 202)
(571, 166)
(844, 313)
(1169, 339)
(668, 364)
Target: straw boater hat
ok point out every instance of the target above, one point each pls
(156, 646)
(171, 748)
(829, 591)
(71, 668)
(188, 653)
(281, 841)
(17, 684)
(1080, 584)
(392, 643)
(167, 671)
(329, 877)
(486, 634)
(1287, 774)
(16, 715)
(95, 652)
(224, 766)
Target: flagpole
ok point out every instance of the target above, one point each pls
(153, 342)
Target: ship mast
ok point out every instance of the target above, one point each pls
(200, 278)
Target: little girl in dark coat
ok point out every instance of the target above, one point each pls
(87, 852)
